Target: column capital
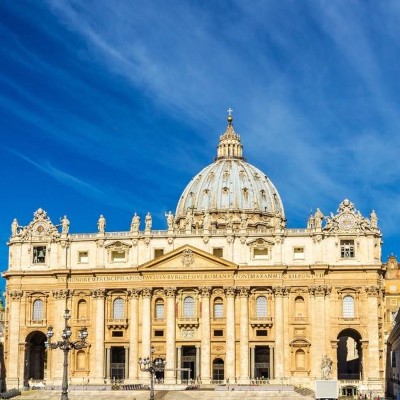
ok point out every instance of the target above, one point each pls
(15, 294)
(243, 291)
(134, 293)
(281, 291)
(147, 292)
(99, 293)
(372, 291)
(229, 291)
(320, 290)
(170, 292)
(61, 294)
(205, 291)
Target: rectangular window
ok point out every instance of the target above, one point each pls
(158, 253)
(261, 332)
(83, 257)
(218, 252)
(159, 333)
(39, 254)
(117, 334)
(347, 249)
(260, 254)
(118, 256)
(298, 253)
(393, 359)
(218, 332)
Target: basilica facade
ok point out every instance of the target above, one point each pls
(226, 293)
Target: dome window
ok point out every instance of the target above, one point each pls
(225, 190)
(263, 194)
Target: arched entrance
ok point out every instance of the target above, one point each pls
(349, 355)
(35, 356)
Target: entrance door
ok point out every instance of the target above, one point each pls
(188, 363)
(261, 364)
(117, 363)
(218, 370)
(35, 356)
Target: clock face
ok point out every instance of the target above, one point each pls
(346, 221)
(39, 229)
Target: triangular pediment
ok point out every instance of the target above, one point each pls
(187, 258)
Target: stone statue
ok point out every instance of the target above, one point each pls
(189, 219)
(207, 221)
(170, 220)
(374, 220)
(64, 225)
(101, 224)
(14, 227)
(135, 224)
(318, 217)
(326, 367)
(148, 222)
(243, 221)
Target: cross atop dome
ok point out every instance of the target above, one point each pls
(229, 143)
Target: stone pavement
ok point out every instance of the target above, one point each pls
(161, 395)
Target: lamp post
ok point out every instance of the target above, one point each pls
(149, 365)
(66, 345)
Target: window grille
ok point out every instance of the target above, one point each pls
(347, 249)
(118, 309)
(37, 310)
(261, 306)
(188, 307)
(348, 307)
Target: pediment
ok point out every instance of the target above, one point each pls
(187, 258)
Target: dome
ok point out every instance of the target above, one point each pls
(230, 190)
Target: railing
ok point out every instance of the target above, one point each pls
(348, 321)
(261, 321)
(39, 322)
(299, 320)
(220, 320)
(188, 321)
(117, 323)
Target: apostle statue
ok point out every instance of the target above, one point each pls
(374, 220)
(101, 224)
(170, 220)
(135, 224)
(318, 217)
(148, 222)
(14, 227)
(64, 225)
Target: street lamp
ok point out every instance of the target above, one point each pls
(66, 345)
(149, 365)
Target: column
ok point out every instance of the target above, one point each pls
(99, 296)
(179, 365)
(286, 338)
(126, 362)
(146, 327)
(134, 335)
(205, 374)
(170, 336)
(197, 376)
(244, 335)
(373, 333)
(56, 355)
(230, 359)
(108, 363)
(271, 363)
(252, 361)
(13, 375)
(279, 353)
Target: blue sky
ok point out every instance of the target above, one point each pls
(110, 107)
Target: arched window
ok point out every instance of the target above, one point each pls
(218, 308)
(188, 307)
(299, 307)
(348, 307)
(37, 314)
(300, 359)
(118, 308)
(261, 306)
(82, 309)
(159, 309)
(218, 370)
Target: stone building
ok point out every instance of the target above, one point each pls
(226, 293)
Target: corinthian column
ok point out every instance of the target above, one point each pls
(146, 326)
(279, 359)
(14, 301)
(99, 296)
(244, 335)
(205, 374)
(134, 335)
(373, 332)
(170, 336)
(230, 334)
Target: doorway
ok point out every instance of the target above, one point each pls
(35, 357)
(261, 364)
(117, 363)
(188, 363)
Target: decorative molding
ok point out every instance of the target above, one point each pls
(187, 258)
(99, 293)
